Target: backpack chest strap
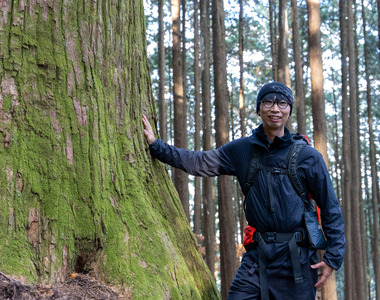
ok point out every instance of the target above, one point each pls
(270, 171)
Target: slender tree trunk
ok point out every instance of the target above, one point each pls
(346, 193)
(241, 216)
(208, 195)
(318, 105)
(316, 74)
(197, 118)
(337, 142)
(273, 44)
(79, 191)
(357, 247)
(372, 157)
(161, 72)
(184, 65)
(286, 56)
(282, 50)
(180, 135)
(378, 23)
(300, 98)
(226, 218)
(241, 69)
(289, 123)
(170, 104)
(283, 59)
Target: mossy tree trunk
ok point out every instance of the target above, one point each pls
(78, 189)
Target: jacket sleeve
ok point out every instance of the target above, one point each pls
(321, 190)
(198, 163)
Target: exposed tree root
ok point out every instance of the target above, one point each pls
(78, 287)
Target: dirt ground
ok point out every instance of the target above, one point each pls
(77, 287)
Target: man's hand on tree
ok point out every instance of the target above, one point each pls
(148, 131)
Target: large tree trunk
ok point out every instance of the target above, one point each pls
(300, 98)
(161, 73)
(228, 260)
(181, 179)
(79, 191)
(318, 106)
(208, 190)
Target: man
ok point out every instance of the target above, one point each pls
(273, 207)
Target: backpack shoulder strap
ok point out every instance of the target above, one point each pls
(299, 144)
(254, 167)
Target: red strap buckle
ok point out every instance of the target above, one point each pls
(248, 235)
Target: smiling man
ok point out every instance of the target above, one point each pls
(280, 262)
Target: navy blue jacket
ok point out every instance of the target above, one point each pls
(234, 159)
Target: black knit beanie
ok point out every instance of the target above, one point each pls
(275, 88)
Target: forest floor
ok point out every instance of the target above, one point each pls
(77, 287)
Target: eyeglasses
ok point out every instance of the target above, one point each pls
(268, 103)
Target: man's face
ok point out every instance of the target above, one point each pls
(274, 117)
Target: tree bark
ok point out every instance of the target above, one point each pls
(161, 73)
(300, 98)
(208, 192)
(180, 135)
(318, 106)
(226, 225)
(79, 191)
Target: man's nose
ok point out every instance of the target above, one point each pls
(275, 107)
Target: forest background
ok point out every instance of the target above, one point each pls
(328, 52)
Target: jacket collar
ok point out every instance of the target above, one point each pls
(261, 138)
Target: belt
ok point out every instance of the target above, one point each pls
(261, 238)
(274, 237)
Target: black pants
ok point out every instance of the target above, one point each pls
(246, 285)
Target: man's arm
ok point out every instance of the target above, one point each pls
(322, 191)
(198, 163)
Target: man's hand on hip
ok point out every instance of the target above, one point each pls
(325, 272)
